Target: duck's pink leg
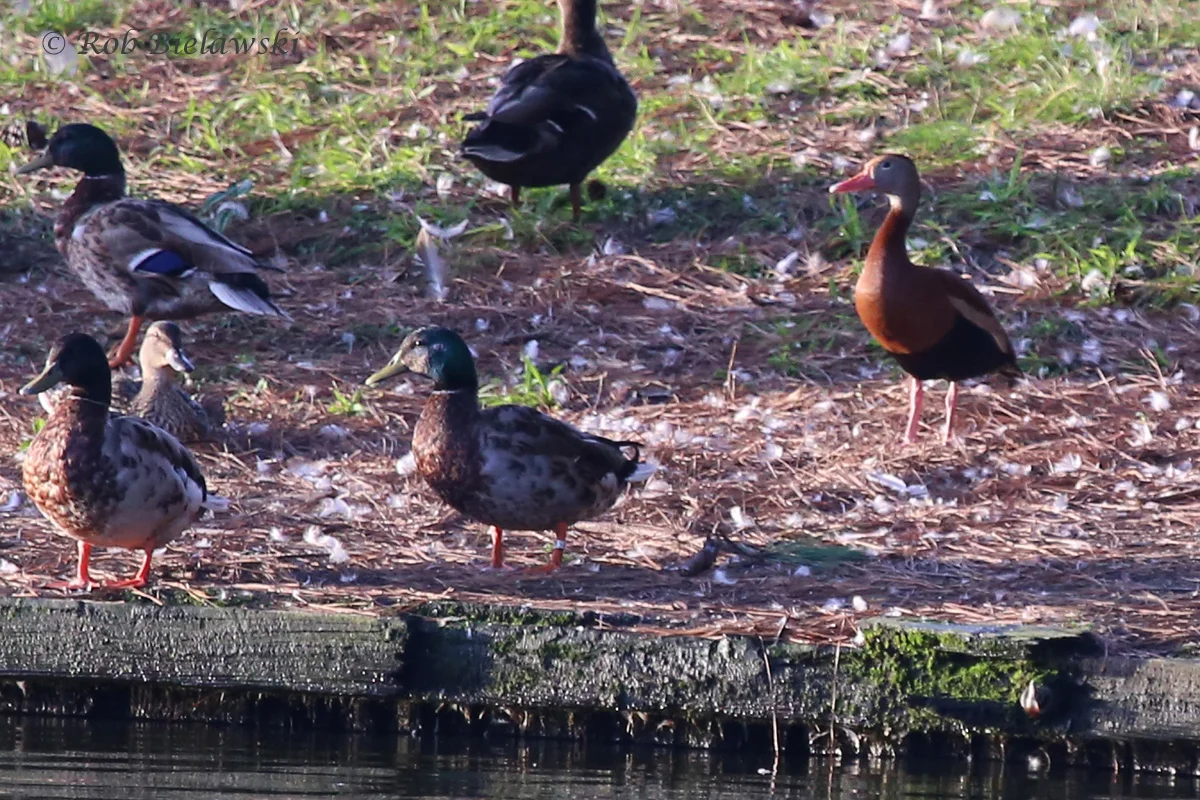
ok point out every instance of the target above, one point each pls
(916, 396)
(951, 405)
(497, 547)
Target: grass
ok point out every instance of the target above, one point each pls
(729, 112)
(535, 388)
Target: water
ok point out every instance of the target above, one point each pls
(73, 759)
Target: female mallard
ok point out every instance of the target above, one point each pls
(148, 259)
(558, 116)
(106, 480)
(510, 467)
(161, 401)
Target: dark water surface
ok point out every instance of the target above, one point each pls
(74, 759)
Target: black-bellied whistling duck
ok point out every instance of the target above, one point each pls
(558, 116)
(933, 322)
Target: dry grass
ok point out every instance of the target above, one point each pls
(1070, 500)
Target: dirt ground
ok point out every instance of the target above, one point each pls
(1069, 500)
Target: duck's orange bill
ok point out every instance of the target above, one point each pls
(858, 183)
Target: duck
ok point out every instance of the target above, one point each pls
(147, 259)
(510, 467)
(556, 117)
(103, 479)
(933, 322)
(160, 400)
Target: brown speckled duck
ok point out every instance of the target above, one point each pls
(148, 259)
(510, 467)
(161, 401)
(932, 321)
(558, 116)
(106, 480)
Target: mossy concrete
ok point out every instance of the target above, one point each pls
(451, 666)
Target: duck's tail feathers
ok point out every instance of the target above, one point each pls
(1011, 373)
(216, 503)
(247, 292)
(635, 469)
(642, 471)
(493, 153)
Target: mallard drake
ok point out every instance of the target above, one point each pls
(148, 259)
(106, 480)
(933, 322)
(161, 401)
(558, 116)
(510, 467)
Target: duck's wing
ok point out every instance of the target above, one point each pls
(157, 240)
(545, 101)
(974, 307)
(525, 432)
(145, 453)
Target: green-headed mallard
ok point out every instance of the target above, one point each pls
(558, 116)
(106, 480)
(161, 401)
(510, 467)
(148, 259)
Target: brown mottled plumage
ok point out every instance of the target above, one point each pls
(147, 259)
(933, 322)
(161, 401)
(106, 480)
(510, 467)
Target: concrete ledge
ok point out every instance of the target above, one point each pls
(452, 666)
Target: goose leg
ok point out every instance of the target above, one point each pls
(560, 544)
(497, 547)
(951, 405)
(139, 580)
(125, 349)
(514, 195)
(916, 395)
(576, 202)
(83, 578)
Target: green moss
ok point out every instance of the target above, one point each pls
(915, 672)
(468, 614)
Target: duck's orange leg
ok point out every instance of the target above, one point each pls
(125, 349)
(556, 557)
(951, 406)
(497, 547)
(139, 580)
(916, 395)
(83, 578)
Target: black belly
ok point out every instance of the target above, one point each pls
(967, 351)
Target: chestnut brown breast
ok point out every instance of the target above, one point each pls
(904, 306)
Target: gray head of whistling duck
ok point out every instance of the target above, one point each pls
(79, 146)
(436, 353)
(894, 175)
(163, 347)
